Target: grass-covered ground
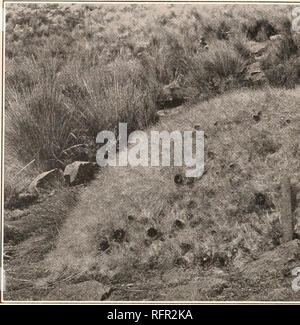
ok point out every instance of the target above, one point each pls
(222, 221)
(83, 68)
(133, 228)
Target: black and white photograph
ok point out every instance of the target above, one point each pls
(150, 152)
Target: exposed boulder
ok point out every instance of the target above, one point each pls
(257, 48)
(79, 172)
(275, 37)
(178, 223)
(46, 179)
(254, 74)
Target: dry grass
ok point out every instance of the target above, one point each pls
(113, 61)
(222, 223)
(110, 66)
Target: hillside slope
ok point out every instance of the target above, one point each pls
(209, 230)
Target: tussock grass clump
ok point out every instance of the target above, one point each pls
(218, 69)
(39, 126)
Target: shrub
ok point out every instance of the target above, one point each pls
(286, 74)
(217, 70)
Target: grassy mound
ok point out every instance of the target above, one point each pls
(134, 220)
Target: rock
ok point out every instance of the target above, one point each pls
(46, 179)
(275, 37)
(161, 113)
(83, 291)
(254, 74)
(12, 234)
(79, 172)
(257, 48)
(179, 224)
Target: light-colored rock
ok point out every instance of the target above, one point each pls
(254, 74)
(257, 48)
(46, 179)
(275, 37)
(79, 172)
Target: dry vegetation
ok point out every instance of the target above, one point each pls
(74, 70)
(225, 219)
(110, 64)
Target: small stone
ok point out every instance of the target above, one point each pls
(79, 172)
(179, 224)
(275, 37)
